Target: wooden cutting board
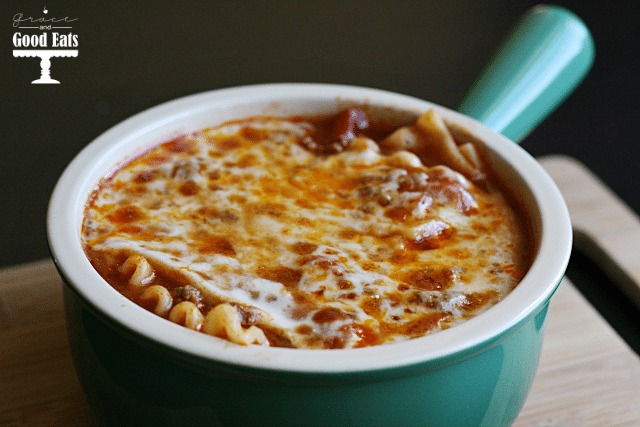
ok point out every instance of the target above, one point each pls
(587, 376)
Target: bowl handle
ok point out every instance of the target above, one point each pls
(543, 59)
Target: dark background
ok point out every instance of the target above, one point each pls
(134, 55)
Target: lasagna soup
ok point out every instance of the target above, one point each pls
(310, 232)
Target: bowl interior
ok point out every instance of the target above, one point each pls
(525, 177)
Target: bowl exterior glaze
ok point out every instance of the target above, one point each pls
(130, 380)
(138, 369)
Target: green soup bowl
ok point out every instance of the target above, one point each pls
(139, 369)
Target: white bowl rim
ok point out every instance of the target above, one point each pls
(74, 186)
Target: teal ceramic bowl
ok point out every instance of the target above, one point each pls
(137, 368)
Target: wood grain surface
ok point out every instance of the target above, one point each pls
(587, 376)
(604, 227)
(38, 384)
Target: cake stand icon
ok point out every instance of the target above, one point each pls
(45, 61)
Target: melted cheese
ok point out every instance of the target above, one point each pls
(348, 249)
